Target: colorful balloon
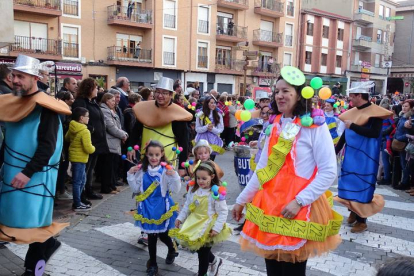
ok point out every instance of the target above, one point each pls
(136, 147)
(325, 93)
(307, 92)
(245, 116)
(237, 115)
(316, 82)
(129, 148)
(174, 148)
(224, 184)
(249, 104)
(243, 139)
(193, 103)
(191, 162)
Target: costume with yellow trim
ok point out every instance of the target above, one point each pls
(26, 214)
(213, 139)
(315, 228)
(158, 124)
(360, 165)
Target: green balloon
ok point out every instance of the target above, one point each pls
(307, 92)
(316, 82)
(245, 116)
(249, 104)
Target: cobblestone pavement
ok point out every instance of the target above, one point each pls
(104, 242)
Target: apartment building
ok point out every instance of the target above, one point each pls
(372, 42)
(192, 40)
(6, 28)
(402, 71)
(324, 47)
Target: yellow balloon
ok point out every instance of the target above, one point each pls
(325, 93)
(307, 92)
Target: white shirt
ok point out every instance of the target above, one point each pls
(312, 149)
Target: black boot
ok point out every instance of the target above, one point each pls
(402, 186)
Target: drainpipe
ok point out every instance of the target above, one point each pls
(190, 40)
(153, 32)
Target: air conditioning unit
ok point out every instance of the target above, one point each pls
(83, 60)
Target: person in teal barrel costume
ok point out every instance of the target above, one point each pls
(32, 147)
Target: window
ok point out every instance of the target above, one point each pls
(385, 37)
(308, 57)
(381, 11)
(202, 55)
(338, 61)
(360, 5)
(324, 59)
(287, 59)
(32, 36)
(341, 34)
(377, 60)
(309, 29)
(325, 31)
(71, 7)
(169, 51)
(70, 41)
(126, 46)
(290, 8)
(169, 14)
(223, 57)
(379, 36)
(223, 20)
(203, 24)
(387, 12)
(289, 35)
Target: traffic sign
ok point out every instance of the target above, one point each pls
(251, 53)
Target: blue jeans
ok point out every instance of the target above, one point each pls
(404, 167)
(386, 162)
(79, 180)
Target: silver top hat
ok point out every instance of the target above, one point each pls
(361, 87)
(165, 83)
(28, 65)
(262, 95)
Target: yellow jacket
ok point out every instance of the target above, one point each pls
(80, 142)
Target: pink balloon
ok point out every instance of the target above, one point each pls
(243, 139)
(136, 147)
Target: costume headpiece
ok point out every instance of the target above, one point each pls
(166, 84)
(361, 87)
(27, 65)
(202, 143)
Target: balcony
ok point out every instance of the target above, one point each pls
(118, 55)
(372, 70)
(169, 58)
(234, 4)
(70, 50)
(264, 69)
(40, 48)
(202, 62)
(169, 21)
(71, 7)
(362, 43)
(267, 39)
(271, 8)
(122, 16)
(231, 33)
(364, 17)
(229, 66)
(288, 40)
(49, 8)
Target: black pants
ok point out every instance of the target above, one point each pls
(109, 172)
(62, 176)
(89, 173)
(276, 268)
(205, 257)
(212, 157)
(39, 251)
(152, 246)
(228, 135)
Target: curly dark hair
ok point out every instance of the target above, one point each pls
(206, 112)
(209, 164)
(86, 87)
(152, 144)
(301, 106)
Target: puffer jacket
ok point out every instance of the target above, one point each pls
(114, 132)
(401, 130)
(80, 146)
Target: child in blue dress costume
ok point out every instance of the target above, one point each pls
(154, 180)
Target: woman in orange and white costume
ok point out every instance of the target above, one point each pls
(295, 194)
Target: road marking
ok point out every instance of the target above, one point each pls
(70, 261)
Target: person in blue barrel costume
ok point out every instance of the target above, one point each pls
(32, 147)
(362, 138)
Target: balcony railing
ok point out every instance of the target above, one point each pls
(70, 50)
(272, 5)
(267, 36)
(265, 67)
(362, 11)
(241, 2)
(169, 21)
(129, 54)
(290, 10)
(203, 26)
(129, 15)
(232, 30)
(47, 4)
(202, 62)
(229, 64)
(35, 45)
(71, 7)
(364, 37)
(289, 40)
(169, 58)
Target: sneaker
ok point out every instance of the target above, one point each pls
(359, 227)
(171, 257)
(388, 152)
(352, 218)
(65, 196)
(82, 208)
(239, 228)
(214, 267)
(143, 239)
(94, 196)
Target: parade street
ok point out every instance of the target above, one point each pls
(104, 242)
